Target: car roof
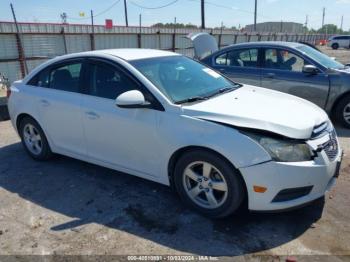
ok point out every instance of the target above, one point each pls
(128, 54)
(265, 44)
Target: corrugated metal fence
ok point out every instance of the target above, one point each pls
(37, 42)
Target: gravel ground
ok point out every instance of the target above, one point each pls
(342, 55)
(66, 206)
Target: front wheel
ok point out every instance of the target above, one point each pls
(208, 183)
(335, 46)
(342, 111)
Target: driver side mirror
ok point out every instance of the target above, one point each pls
(132, 99)
(310, 69)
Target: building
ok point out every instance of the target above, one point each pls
(276, 27)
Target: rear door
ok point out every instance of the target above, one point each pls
(343, 41)
(282, 70)
(240, 65)
(60, 105)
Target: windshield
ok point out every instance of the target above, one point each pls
(182, 79)
(319, 57)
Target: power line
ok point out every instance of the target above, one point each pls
(98, 14)
(231, 8)
(154, 7)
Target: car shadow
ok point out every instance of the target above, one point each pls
(342, 131)
(91, 194)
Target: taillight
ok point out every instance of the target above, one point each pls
(8, 92)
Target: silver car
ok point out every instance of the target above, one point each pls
(288, 67)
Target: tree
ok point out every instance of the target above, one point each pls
(330, 29)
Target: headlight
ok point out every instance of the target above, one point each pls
(283, 150)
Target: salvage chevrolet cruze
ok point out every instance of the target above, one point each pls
(164, 117)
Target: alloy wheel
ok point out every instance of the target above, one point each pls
(205, 185)
(32, 139)
(346, 113)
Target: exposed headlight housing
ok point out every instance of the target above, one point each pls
(283, 150)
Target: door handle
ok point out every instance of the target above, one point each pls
(222, 70)
(44, 102)
(270, 75)
(92, 115)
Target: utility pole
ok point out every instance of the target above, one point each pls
(341, 24)
(255, 14)
(202, 14)
(323, 15)
(92, 22)
(306, 23)
(306, 20)
(92, 31)
(281, 26)
(126, 13)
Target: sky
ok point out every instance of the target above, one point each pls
(229, 12)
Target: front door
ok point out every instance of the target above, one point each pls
(282, 71)
(125, 138)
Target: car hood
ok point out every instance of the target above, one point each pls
(262, 109)
(203, 44)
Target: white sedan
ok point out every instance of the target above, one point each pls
(164, 117)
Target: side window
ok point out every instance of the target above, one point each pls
(41, 79)
(66, 77)
(221, 59)
(243, 58)
(283, 60)
(108, 82)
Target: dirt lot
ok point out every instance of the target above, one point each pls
(66, 206)
(342, 55)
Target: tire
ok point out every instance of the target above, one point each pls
(335, 46)
(222, 176)
(342, 111)
(34, 140)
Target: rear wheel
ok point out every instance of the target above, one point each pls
(342, 111)
(34, 139)
(335, 46)
(208, 183)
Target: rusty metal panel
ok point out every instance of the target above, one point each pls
(264, 38)
(8, 47)
(254, 38)
(241, 38)
(78, 43)
(34, 63)
(11, 70)
(182, 42)
(186, 52)
(226, 40)
(166, 42)
(115, 41)
(43, 45)
(149, 41)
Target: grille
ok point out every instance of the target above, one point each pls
(331, 146)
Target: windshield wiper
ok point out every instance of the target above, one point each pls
(191, 99)
(198, 98)
(222, 90)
